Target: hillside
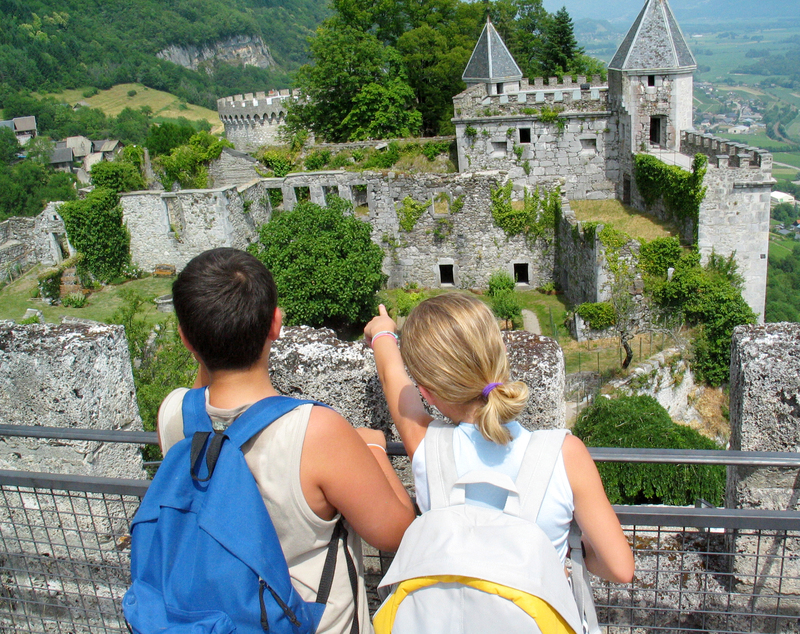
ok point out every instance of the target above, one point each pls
(46, 45)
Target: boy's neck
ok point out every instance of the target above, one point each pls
(228, 389)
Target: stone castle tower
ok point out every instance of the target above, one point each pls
(583, 137)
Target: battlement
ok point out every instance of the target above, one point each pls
(260, 105)
(579, 96)
(723, 153)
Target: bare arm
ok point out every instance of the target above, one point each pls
(338, 472)
(402, 397)
(608, 554)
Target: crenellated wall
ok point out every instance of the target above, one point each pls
(252, 120)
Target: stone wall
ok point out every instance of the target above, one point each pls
(313, 363)
(69, 375)
(172, 228)
(232, 168)
(25, 242)
(581, 96)
(734, 215)
(765, 416)
(578, 255)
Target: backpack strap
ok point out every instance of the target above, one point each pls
(537, 467)
(328, 570)
(440, 463)
(581, 584)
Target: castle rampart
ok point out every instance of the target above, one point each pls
(252, 120)
(734, 215)
(581, 96)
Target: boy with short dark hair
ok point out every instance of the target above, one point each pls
(310, 465)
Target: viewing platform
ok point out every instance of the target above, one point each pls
(66, 550)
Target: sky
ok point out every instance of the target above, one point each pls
(627, 10)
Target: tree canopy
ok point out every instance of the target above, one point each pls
(407, 57)
(325, 265)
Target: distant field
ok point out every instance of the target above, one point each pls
(163, 104)
(780, 248)
(614, 214)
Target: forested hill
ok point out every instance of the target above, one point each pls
(51, 44)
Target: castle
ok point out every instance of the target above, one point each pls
(580, 136)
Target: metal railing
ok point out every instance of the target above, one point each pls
(64, 557)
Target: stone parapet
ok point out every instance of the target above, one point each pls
(765, 416)
(75, 374)
(724, 153)
(580, 96)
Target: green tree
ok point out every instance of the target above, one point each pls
(9, 146)
(94, 227)
(639, 421)
(325, 265)
(117, 176)
(347, 63)
(162, 139)
(559, 47)
(188, 164)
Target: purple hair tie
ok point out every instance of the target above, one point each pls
(489, 388)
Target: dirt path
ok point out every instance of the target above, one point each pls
(531, 322)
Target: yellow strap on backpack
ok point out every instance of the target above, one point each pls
(548, 620)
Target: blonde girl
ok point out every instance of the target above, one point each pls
(453, 349)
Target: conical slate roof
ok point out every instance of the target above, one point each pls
(655, 42)
(491, 61)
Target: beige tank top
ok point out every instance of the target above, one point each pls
(274, 459)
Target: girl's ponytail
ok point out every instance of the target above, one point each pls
(503, 403)
(452, 346)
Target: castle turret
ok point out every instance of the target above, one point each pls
(492, 64)
(650, 81)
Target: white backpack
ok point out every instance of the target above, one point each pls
(467, 569)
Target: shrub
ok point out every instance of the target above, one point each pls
(385, 158)
(280, 162)
(639, 421)
(74, 300)
(325, 265)
(410, 212)
(506, 305)
(406, 301)
(599, 315)
(317, 160)
(50, 284)
(499, 282)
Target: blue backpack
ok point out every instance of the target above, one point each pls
(205, 557)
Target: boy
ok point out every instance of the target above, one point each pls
(311, 466)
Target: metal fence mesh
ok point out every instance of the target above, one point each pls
(64, 562)
(64, 567)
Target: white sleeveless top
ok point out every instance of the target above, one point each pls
(473, 451)
(274, 458)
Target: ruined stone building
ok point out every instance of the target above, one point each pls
(581, 136)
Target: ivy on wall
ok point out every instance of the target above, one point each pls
(681, 191)
(535, 219)
(410, 212)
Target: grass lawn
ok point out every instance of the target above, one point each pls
(165, 105)
(779, 248)
(17, 297)
(614, 214)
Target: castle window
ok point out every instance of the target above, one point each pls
(446, 274)
(626, 190)
(524, 135)
(651, 80)
(521, 275)
(499, 88)
(589, 145)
